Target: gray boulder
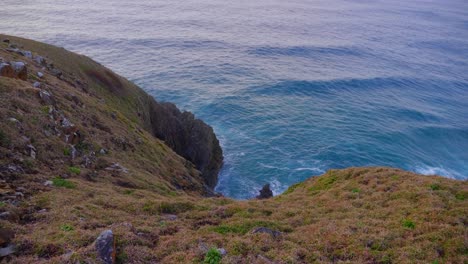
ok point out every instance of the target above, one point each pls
(105, 247)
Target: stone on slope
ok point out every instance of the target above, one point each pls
(105, 247)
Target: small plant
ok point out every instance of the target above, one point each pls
(461, 196)
(408, 224)
(67, 228)
(435, 187)
(67, 151)
(212, 256)
(2, 204)
(59, 182)
(355, 190)
(74, 170)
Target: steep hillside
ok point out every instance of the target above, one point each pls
(82, 154)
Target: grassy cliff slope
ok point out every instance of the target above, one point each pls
(61, 185)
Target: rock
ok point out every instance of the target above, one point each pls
(102, 151)
(105, 247)
(42, 211)
(48, 183)
(265, 192)
(222, 251)
(117, 167)
(6, 70)
(40, 74)
(5, 215)
(170, 217)
(46, 97)
(6, 40)
(13, 120)
(73, 98)
(57, 73)
(37, 85)
(32, 151)
(21, 71)
(40, 60)
(10, 249)
(266, 230)
(28, 54)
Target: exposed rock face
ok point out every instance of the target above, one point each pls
(189, 137)
(105, 247)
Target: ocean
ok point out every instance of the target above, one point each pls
(291, 88)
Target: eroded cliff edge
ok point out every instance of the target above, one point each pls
(188, 136)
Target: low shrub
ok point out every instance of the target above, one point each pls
(59, 182)
(212, 256)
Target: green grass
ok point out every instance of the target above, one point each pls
(67, 227)
(409, 224)
(212, 256)
(323, 183)
(2, 204)
(293, 187)
(59, 182)
(74, 170)
(435, 187)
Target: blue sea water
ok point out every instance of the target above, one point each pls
(292, 88)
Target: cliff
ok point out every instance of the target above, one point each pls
(94, 170)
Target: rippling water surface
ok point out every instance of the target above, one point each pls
(292, 88)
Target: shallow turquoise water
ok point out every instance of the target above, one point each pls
(291, 88)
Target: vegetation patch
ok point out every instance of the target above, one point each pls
(59, 182)
(323, 183)
(167, 208)
(409, 224)
(435, 187)
(244, 228)
(74, 170)
(212, 256)
(67, 228)
(293, 187)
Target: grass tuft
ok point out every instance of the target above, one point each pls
(74, 170)
(409, 224)
(59, 182)
(212, 256)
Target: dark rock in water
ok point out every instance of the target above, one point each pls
(265, 192)
(189, 137)
(6, 70)
(105, 247)
(21, 71)
(272, 233)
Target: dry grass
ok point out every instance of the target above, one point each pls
(357, 215)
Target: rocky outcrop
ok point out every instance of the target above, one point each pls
(265, 192)
(189, 137)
